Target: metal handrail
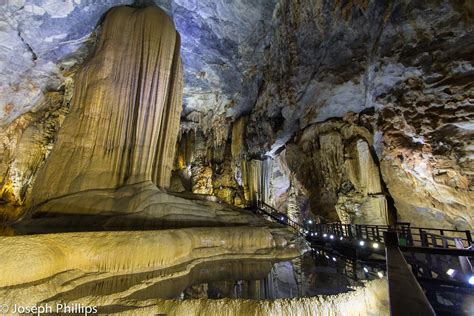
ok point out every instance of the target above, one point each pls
(415, 236)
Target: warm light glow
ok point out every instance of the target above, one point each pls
(375, 245)
(380, 274)
(450, 272)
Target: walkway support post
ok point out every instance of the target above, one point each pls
(405, 294)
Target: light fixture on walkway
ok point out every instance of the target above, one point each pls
(375, 245)
(361, 243)
(451, 272)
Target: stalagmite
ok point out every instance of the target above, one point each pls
(117, 144)
(124, 120)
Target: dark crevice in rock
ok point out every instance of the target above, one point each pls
(392, 210)
(34, 57)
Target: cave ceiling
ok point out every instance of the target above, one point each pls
(43, 40)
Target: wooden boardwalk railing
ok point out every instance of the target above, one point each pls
(414, 256)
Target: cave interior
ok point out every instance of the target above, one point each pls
(239, 157)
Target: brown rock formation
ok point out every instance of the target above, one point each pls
(117, 143)
(334, 162)
(24, 146)
(124, 121)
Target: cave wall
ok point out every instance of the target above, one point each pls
(408, 64)
(336, 165)
(280, 96)
(408, 61)
(25, 145)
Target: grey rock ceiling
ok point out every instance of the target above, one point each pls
(293, 65)
(295, 62)
(221, 40)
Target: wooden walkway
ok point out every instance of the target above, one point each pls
(422, 263)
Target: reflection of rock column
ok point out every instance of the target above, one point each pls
(254, 289)
(123, 124)
(298, 271)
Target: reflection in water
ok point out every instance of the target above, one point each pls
(164, 285)
(315, 273)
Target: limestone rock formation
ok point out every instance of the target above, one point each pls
(136, 206)
(408, 63)
(113, 268)
(282, 66)
(124, 120)
(430, 177)
(334, 162)
(223, 46)
(25, 145)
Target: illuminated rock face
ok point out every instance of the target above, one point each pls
(295, 64)
(335, 163)
(137, 206)
(124, 120)
(25, 145)
(430, 177)
(408, 63)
